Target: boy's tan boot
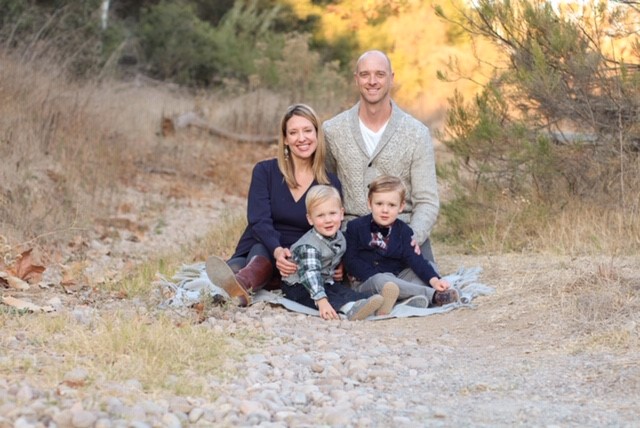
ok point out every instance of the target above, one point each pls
(238, 286)
(389, 293)
(363, 308)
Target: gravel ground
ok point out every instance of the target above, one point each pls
(456, 369)
(520, 357)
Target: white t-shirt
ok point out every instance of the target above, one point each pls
(371, 139)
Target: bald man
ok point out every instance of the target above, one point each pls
(376, 137)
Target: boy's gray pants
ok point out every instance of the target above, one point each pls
(408, 283)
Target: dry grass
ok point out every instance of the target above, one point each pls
(157, 351)
(69, 150)
(223, 239)
(62, 161)
(585, 304)
(140, 282)
(253, 113)
(580, 227)
(585, 229)
(167, 352)
(600, 306)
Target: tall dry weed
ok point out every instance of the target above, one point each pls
(68, 149)
(61, 161)
(258, 112)
(253, 113)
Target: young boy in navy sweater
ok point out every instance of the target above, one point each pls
(379, 250)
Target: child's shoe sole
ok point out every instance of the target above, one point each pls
(416, 302)
(389, 293)
(366, 308)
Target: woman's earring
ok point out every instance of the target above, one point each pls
(286, 153)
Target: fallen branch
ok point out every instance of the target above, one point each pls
(189, 119)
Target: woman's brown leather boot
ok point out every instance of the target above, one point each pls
(241, 285)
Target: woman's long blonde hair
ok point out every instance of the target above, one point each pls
(285, 163)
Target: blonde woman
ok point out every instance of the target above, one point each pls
(276, 212)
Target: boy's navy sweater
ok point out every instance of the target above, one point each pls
(362, 261)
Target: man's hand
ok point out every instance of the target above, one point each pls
(415, 246)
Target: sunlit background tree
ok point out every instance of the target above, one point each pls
(557, 124)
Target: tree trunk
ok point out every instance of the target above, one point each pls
(104, 16)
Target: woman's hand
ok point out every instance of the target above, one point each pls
(326, 310)
(338, 273)
(283, 261)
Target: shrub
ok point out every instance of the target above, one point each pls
(558, 122)
(178, 45)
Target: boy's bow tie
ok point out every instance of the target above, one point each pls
(383, 230)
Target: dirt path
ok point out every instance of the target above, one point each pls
(527, 355)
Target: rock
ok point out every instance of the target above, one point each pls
(76, 377)
(83, 419)
(169, 420)
(103, 423)
(195, 414)
(24, 394)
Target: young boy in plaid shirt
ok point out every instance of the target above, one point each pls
(318, 253)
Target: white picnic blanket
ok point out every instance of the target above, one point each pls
(191, 283)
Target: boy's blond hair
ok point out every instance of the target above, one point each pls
(387, 183)
(321, 193)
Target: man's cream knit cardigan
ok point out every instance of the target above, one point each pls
(405, 150)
